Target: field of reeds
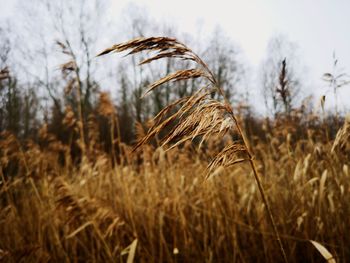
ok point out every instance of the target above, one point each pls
(210, 198)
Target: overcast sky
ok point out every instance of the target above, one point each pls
(318, 27)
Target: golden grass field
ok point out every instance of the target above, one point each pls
(92, 213)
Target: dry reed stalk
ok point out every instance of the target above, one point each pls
(198, 115)
(107, 110)
(74, 81)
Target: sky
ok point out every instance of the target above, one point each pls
(319, 28)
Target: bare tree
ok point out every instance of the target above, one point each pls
(280, 78)
(18, 105)
(74, 24)
(223, 56)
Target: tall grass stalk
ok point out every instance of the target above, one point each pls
(191, 122)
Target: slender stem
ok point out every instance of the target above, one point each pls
(81, 116)
(119, 139)
(114, 160)
(251, 161)
(261, 189)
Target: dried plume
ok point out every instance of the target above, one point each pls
(342, 140)
(195, 116)
(105, 105)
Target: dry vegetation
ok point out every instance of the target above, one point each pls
(153, 203)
